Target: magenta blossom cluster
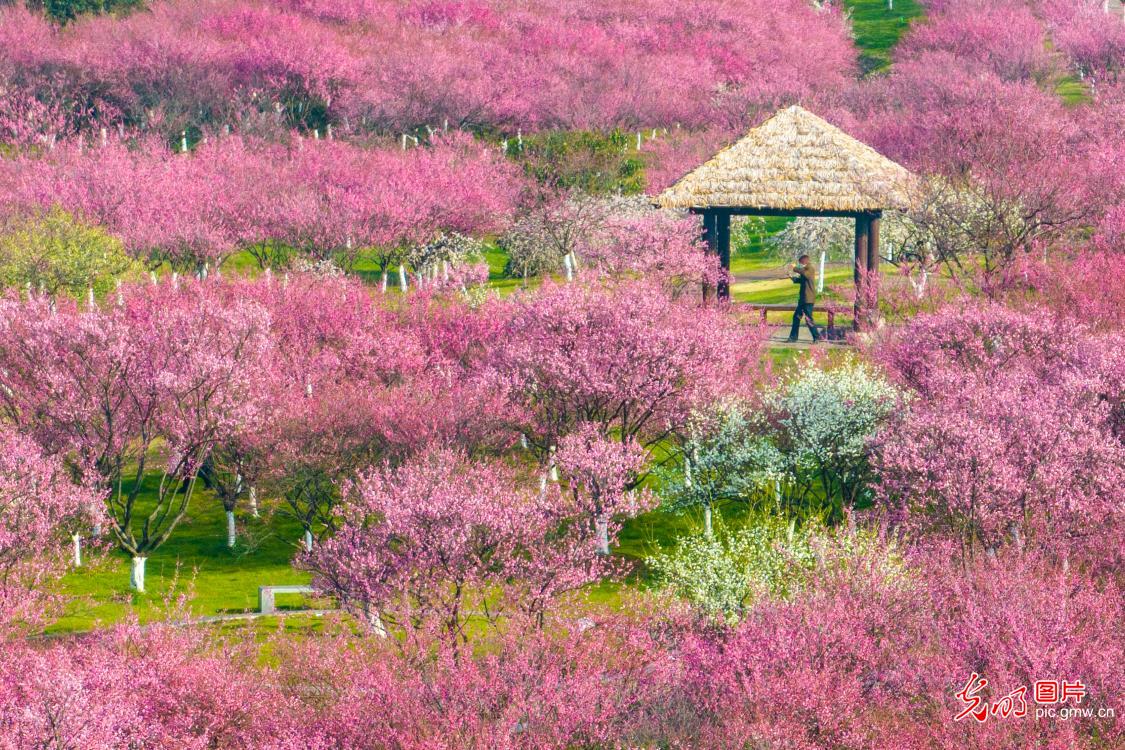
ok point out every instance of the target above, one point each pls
(404, 66)
(1014, 437)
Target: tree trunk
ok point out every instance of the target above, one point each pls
(77, 550)
(230, 529)
(374, 620)
(137, 577)
(383, 283)
(401, 277)
(601, 528)
(308, 540)
(254, 501)
(707, 529)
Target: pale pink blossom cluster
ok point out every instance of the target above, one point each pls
(405, 66)
(328, 199)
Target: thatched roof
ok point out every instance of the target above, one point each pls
(794, 160)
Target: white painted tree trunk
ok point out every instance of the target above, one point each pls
(820, 276)
(601, 531)
(230, 529)
(569, 267)
(375, 621)
(920, 285)
(137, 577)
(707, 528)
(523, 440)
(254, 501)
(554, 472)
(401, 277)
(308, 540)
(383, 284)
(77, 550)
(777, 491)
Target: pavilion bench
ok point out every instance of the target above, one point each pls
(829, 309)
(266, 596)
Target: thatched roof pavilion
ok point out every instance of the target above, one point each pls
(795, 164)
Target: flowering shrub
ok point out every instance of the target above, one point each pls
(725, 572)
(54, 254)
(826, 418)
(727, 457)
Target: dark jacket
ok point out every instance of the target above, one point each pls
(806, 277)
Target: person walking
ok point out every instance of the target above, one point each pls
(804, 274)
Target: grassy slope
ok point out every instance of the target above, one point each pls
(878, 29)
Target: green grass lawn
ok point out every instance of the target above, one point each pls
(1072, 90)
(194, 561)
(878, 28)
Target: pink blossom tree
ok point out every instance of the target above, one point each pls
(600, 471)
(402, 67)
(991, 151)
(151, 384)
(40, 504)
(1082, 30)
(157, 685)
(563, 687)
(1012, 436)
(1004, 37)
(626, 359)
(429, 544)
(874, 653)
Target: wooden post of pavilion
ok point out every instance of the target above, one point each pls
(711, 240)
(873, 260)
(859, 271)
(722, 234)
